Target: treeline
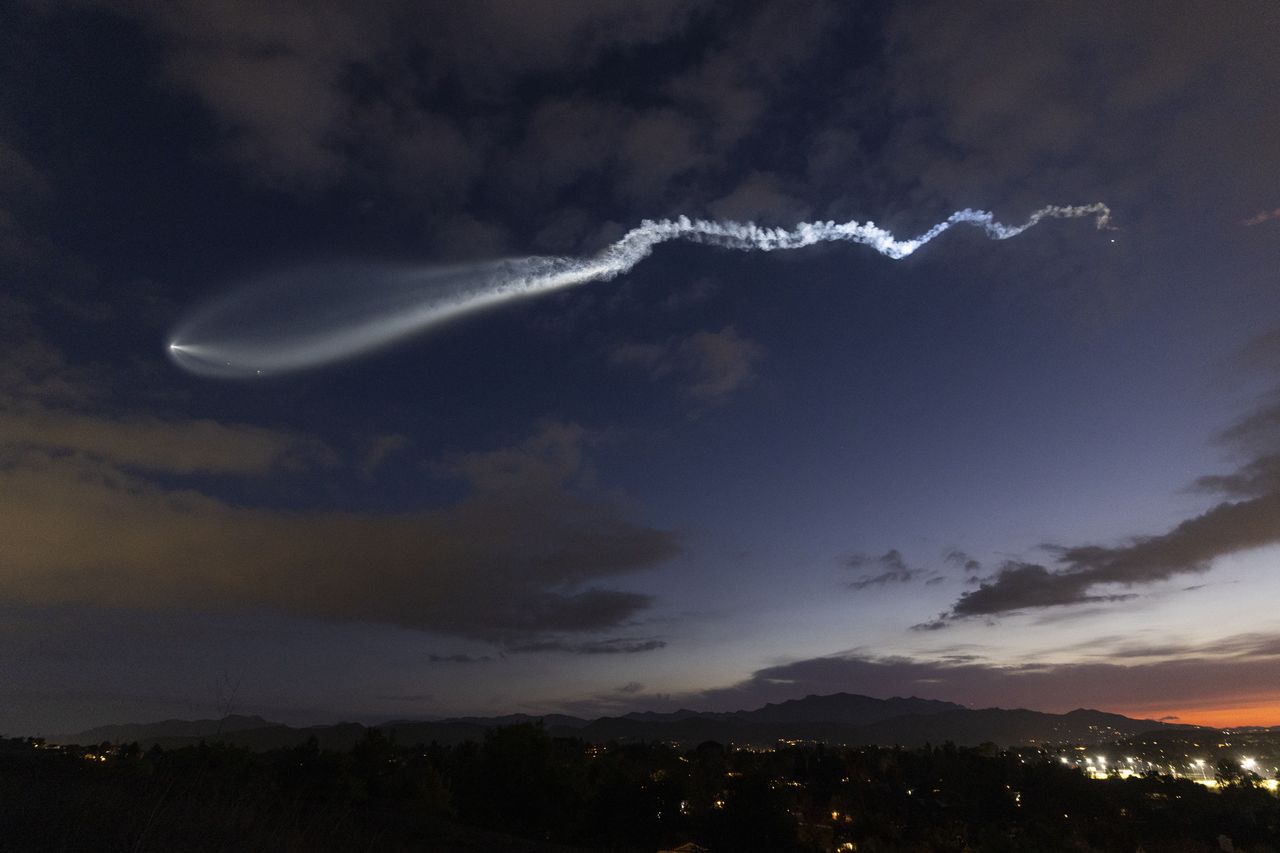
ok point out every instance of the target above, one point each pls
(522, 790)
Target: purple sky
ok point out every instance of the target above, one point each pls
(1042, 472)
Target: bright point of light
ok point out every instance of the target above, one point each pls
(1248, 764)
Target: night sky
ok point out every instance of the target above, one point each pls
(1041, 472)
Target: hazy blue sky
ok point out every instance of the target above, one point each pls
(1041, 472)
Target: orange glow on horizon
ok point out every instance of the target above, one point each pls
(1229, 713)
(1225, 718)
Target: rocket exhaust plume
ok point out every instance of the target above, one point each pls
(312, 316)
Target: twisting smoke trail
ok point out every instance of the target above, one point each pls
(314, 316)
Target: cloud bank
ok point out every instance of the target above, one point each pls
(517, 558)
(1114, 673)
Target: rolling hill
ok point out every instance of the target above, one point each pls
(838, 719)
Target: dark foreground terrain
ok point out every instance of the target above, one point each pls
(520, 789)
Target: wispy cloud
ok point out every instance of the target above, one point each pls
(888, 568)
(962, 560)
(176, 446)
(1261, 217)
(710, 366)
(459, 658)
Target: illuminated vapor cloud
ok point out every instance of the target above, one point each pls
(313, 316)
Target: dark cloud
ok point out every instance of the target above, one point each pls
(961, 560)
(747, 72)
(670, 151)
(173, 446)
(434, 106)
(279, 77)
(1189, 547)
(1254, 478)
(613, 646)
(464, 237)
(95, 517)
(889, 567)
(379, 449)
(25, 194)
(34, 372)
(761, 197)
(709, 365)
(516, 558)
(631, 687)
(1083, 574)
(1248, 645)
(993, 98)
(51, 409)
(638, 152)
(692, 293)
(490, 43)
(720, 362)
(1017, 586)
(497, 564)
(18, 176)
(459, 658)
(385, 97)
(939, 106)
(995, 106)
